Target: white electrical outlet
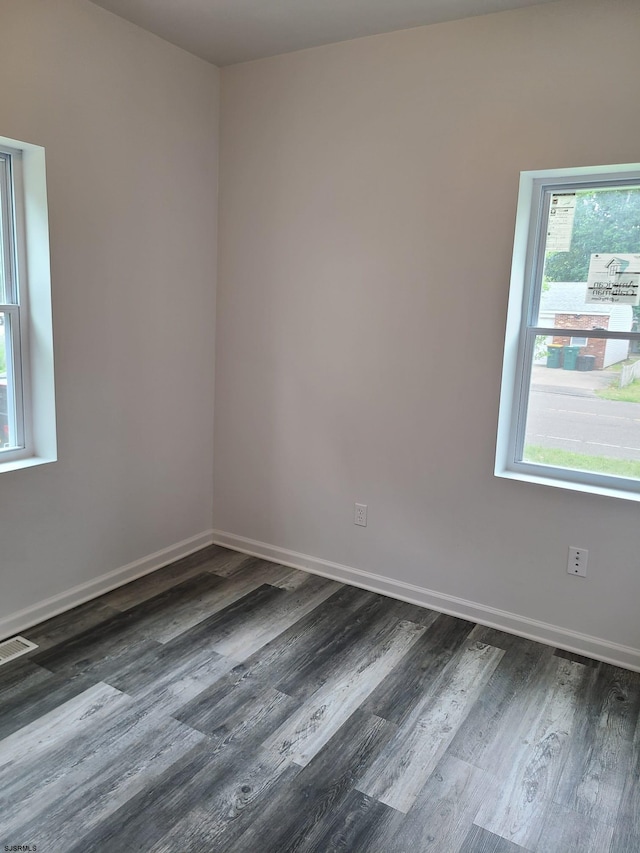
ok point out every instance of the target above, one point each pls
(360, 515)
(577, 562)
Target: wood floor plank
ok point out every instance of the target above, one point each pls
(148, 586)
(404, 611)
(211, 601)
(274, 574)
(88, 755)
(27, 691)
(36, 696)
(397, 695)
(230, 716)
(565, 830)
(101, 647)
(402, 770)
(492, 637)
(326, 658)
(498, 712)
(234, 562)
(231, 805)
(79, 807)
(592, 782)
(20, 677)
(480, 841)
(176, 674)
(168, 612)
(68, 624)
(158, 581)
(289, 653)
(210, 792)
(212, 631)
(150, 813)
(562, 653)
(256, 631)
(288, 821)
(626, 835)
(307, 731)
(15, 672)
(351, 825)
(530, 770)
(56, 727)
(284, 577)
(171, 676)
(441, 816)
(275, 694)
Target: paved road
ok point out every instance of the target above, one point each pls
(577, 420)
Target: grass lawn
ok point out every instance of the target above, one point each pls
(582, 461)
(629, 394)
(617, 367)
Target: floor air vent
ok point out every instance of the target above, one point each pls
(13, 648)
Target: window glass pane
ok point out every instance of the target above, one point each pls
(4, 234)
(4, 390)
(581, 225)
(584, 406)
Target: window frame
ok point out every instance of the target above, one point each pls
(12, 236)
(522, 329)
(28, 303)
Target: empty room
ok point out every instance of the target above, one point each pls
(319, 426)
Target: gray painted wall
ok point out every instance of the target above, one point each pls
(368, 196)
(130, 126)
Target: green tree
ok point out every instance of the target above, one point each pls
(605, 221)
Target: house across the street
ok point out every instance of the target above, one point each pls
(563, 305)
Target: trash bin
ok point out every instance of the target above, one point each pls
(570, 357)
(554, 355)
(585, 362)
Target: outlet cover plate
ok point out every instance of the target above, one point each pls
(577, 562)
(360, 515)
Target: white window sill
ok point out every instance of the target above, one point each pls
(16, 464)
(558, 483)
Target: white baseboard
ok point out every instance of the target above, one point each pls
(512, 623)
(24, 619)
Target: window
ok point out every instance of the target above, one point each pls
(570, 401)
(27, 408)
(11, 381)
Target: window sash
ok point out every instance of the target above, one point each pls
(15, 394)
(11, 309)
(7, 228)
(542, 189)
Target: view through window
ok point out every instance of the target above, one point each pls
(10, 367)
(575, 408)
(583, 407)
(27, 387)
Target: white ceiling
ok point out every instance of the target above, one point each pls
(228, 31)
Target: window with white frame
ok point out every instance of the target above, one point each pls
(27, 400)
(570, 401)
(12, 420)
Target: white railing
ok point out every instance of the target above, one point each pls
(629, 373)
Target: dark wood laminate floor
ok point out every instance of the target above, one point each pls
(228, 704)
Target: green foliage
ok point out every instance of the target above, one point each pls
(541, 349)
(605, 221)
(582, 461)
